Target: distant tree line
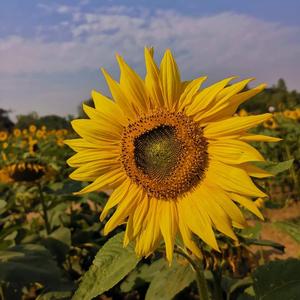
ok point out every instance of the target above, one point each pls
(50, 121)
(24, 121)
(277, 96)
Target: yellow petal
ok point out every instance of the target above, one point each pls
(139, 214)
(117, 196)
(152, 80)
(254, 171)
(198, 221)
(108, 180)
(120, 97)
(206, 97)
(168, 225)
(170, 79)
(223, 100)
(259, 138)
(186, 235)
(219, 217)
(102, 119)
(222, 199)
(247, 203)
(124, 209)
(233, 125)
(108, 108)
(133, 86)
(150, 236)
(87, 156)
(92, 170)
(95, 132)
(128, 236)
(232, 179)
(189, 92)
(233, 151)
(240, 98)
(81, 145)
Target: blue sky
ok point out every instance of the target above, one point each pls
(51, 51)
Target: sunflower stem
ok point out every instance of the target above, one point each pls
(44, 206)
(200, 278)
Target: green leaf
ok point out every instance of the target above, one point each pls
(275, 167)
(61, 295)
(170, 281)
(2, 203)
(239, 284)
(63, 291)
(252, 232)
(266, 243)
(278, 280)
(58, 243)
(142, 274)
(24, 264)
(290, 228)
(111, 264)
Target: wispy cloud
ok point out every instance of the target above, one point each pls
(218, 45)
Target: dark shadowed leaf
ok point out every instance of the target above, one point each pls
(26, 264)
(58, 243)
(278, 280)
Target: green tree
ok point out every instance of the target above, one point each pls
(5, 121)
(80, 112)
(277, 96)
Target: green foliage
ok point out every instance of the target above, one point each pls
(25, 264)
(275, 167)
(50, 121)
(291, 228)
(278, 280)
(170, 280)
(111, 264)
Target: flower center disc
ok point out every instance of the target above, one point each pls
(165, 153)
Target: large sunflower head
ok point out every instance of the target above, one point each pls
(177, 160)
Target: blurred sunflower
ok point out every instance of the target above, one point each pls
(271, 124)
(173, 154)
(3, 136)
(17, 132)
(32, 129)
(4, 177)
(23, 171)
(291, 114)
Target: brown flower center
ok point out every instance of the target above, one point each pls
(165, 153)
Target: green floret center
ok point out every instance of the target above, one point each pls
(157, 151)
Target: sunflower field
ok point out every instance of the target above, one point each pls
(167, 189)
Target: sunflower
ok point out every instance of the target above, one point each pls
(177, 161)
(24, 171)
(270, 123)
(17, 132)
(3, 136)
(32, 129)
(4, 177)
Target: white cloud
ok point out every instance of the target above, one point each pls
(218, 45)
